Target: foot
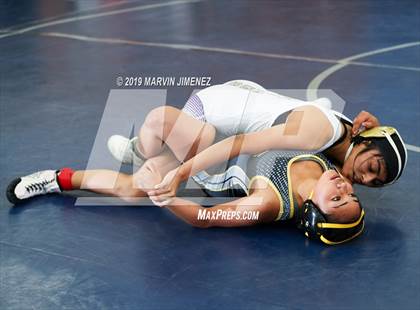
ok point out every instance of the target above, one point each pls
(123, 150)
(38, 183)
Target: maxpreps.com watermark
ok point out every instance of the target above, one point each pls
(205, 214)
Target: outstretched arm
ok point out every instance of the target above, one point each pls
(245, 211)
(306, 128)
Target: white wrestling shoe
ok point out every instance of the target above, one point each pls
(38, 183)
(122, 149)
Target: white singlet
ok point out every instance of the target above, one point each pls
(242, 106)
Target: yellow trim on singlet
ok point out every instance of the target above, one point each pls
(274, 188)
(289, 179)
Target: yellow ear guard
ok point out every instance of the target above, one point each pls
(315, 225)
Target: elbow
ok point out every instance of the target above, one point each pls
(240, 136)
(197, 223)
(238, 139)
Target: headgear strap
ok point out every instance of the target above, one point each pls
(315, 225)
(390, 145)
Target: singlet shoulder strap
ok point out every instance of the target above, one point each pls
(314, 157)
(344, 122)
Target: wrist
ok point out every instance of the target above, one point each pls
(183, 172)
(176, 201)
(173, 202)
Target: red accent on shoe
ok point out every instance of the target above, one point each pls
(64, 179)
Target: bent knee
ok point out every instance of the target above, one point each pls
(209, 134)
(160, 116)
(148, 176)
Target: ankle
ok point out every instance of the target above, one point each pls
(64, 176)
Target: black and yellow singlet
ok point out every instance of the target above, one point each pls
(272, 166)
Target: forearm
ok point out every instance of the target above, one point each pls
(215, 154)
(188, 211)
(302, 131)
(244, 211)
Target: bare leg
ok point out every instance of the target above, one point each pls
(154, 169)
(106, 182)
(184, 135)
(127, 187)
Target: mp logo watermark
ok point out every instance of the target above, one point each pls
(124, 113)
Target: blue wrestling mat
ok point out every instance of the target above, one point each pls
(59, 61)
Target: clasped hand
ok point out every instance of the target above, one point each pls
(164, 192)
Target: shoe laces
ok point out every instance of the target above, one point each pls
(38, 186)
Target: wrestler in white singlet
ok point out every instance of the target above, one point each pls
(242, 106)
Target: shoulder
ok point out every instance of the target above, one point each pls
(314, 112)
(316, 122)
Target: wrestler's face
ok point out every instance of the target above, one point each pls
(365, 167)
(335, 197)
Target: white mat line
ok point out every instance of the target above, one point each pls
(344, 62)
(413, 148)
(316, 81)
(312, 90)
(97, 15)
(71, 13)
(218, 50)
